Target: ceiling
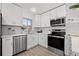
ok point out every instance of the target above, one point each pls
(40, 7)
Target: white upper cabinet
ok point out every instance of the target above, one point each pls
(53, 14)
(61, 11)
(42, 20)
(58, 12)
(12, 14)
(36, 21)
(45, 20)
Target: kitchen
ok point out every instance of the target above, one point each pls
(51, 29)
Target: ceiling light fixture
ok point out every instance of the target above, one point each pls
(33, 9)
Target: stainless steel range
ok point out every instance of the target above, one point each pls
(56, 41)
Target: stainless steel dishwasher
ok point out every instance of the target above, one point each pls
(19, 44)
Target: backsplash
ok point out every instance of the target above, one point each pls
(8, 30)
(45, 30)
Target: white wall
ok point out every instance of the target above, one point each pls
(72, 13)
(72, 20)
(72, 27)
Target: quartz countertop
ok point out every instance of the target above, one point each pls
(12, 35)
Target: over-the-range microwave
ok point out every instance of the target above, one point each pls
(58, 22)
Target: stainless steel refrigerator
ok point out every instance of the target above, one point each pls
(0, 34)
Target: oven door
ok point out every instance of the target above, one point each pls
(56, 42)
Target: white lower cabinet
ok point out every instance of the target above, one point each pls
(43, 40)
(31, 41)
(35, 39)
(13, 44)
(7, 47)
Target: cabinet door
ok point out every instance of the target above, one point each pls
(43, 40)
(32, 40)
(53, 14)
(29, 41)
(45, 20)
(61, 11)
(16, 44)
(36, 21)
(35, 40)
(7, 46)
(40, 39)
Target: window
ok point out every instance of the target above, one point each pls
(27, 22)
